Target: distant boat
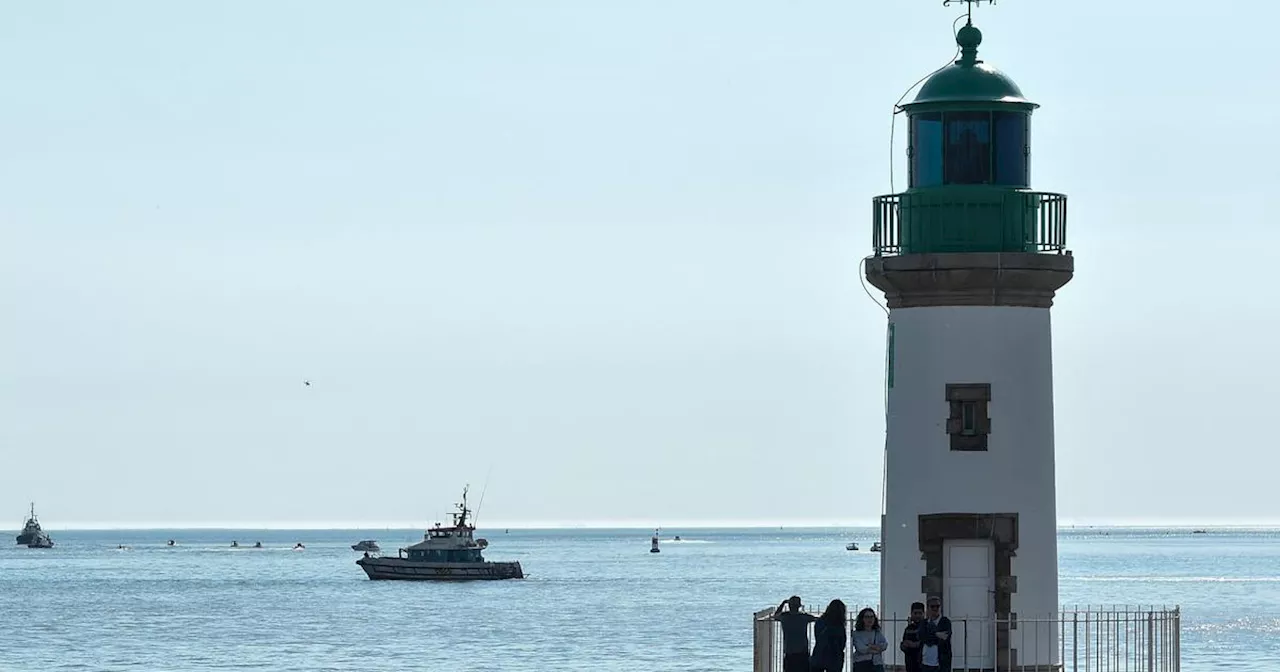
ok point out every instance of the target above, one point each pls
(366, 545)
(31, 529)
(1197, 532)
(41, 540)
(876, 547)
(444, 554)
(851, 546)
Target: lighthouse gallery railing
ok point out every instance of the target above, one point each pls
(963, 219)
(1089, 639)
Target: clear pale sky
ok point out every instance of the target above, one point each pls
(607, 252)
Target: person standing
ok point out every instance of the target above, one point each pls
(829, 639)
(935, 639)
(795, 634)
(910, 645)
(869, 643)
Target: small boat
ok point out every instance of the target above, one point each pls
(876, 547)
(41, 540)
(851, 546)
(1198, 532)
(366, 545)
(299, 547)
(31, 529)
(444, 554)
(235, 544)
(257, 544)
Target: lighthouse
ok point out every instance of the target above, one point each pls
(969, 258)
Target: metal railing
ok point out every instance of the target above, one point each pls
(1087, 639)
(969, 221)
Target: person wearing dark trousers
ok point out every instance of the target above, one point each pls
(910, 645)
(941, 627)
(829, 639)
(795, 634)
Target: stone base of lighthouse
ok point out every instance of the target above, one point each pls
(970, 510)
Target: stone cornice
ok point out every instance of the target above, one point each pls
(1025, 279)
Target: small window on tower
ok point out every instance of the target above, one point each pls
(968, 424)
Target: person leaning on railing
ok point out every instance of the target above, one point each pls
(868, 643)
(795, 634)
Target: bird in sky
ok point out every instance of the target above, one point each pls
(307, 383)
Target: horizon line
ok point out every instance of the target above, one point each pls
(618, 525)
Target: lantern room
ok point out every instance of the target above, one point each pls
(969, 174)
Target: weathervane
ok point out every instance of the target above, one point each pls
(971, 3)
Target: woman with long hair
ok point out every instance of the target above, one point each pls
(829, 639)
(869, 643)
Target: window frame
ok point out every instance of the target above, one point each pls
(945, 117)
(969, 423)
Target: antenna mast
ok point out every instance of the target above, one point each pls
(970, 3)
(475, 520)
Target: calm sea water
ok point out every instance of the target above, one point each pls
(594, 600)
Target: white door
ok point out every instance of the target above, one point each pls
(969, 601)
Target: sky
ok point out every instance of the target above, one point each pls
(600, 260)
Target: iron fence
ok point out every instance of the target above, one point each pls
(1085, 639)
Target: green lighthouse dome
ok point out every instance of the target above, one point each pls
(969, 80)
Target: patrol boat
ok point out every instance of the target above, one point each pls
(444, 554)
(31, 530)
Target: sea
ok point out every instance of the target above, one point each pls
(594, 599)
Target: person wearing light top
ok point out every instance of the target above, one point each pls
(935, 636)
(868, 643)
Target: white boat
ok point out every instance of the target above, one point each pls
(876, 547)
(851, 546)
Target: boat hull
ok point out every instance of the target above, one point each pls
(27, 537)
(400, 569)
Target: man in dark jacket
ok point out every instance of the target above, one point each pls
(910, 645)
(935, 635)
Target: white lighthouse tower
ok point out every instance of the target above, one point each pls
(969, 258)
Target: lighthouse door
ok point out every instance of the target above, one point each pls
(969, 601)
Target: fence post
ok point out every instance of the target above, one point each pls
(762, 644)
(1075, 640)
(1151, 641)
(1177, 639)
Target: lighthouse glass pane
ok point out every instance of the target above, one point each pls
(1011, 148)
(926, 150)
(967, 153)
